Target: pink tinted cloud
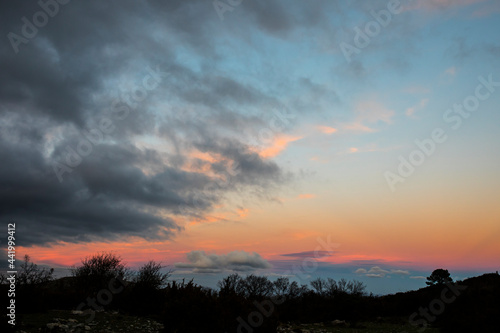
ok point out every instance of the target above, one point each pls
(487, 10)
(278, 144)
(368, 112)
(326, 129)
(437, 5)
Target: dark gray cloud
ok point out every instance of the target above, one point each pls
(46, 211)
(109, 193)
(87, 66)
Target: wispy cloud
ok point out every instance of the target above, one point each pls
(378, 272)
(372, 111)
(421, 105)
(309, 254)
(278, 144)
(242, 212)
(452, 71)
(438, 5)
(368, 113)
(306, 196)
(326, 129)
(369, 148)
(489, 9)
(357, 127)
(416, 90)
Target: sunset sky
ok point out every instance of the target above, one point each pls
(343, 139)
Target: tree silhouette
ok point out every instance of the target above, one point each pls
(31, 274)
(231, 284)
(439, 277)
(318, 286)
(255, 287)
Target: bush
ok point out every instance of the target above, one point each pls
(150, 277)
(98, 271)
(146, 296)
(190, 309)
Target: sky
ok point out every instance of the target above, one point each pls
(354, 140)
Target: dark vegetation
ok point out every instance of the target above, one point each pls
(251, 303)
(439, 277)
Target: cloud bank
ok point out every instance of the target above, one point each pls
(239, 261)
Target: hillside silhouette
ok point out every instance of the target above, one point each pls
(243, 303)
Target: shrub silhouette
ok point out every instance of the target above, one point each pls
(190, 308)
(147, 290)
(150, 276)
(98, 271)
